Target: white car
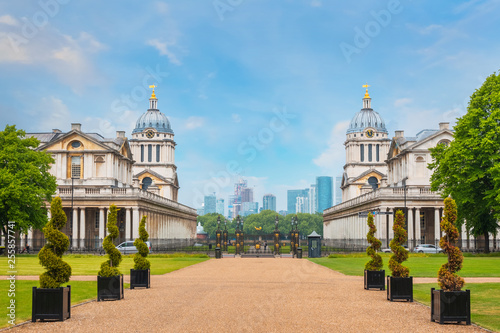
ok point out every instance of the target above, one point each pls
(129, 248)
(389, 249)
(427, 248)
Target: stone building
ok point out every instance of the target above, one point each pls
(138, 176)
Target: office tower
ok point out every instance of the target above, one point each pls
(292, 199)
(210, 204)
(324, 186)
(269, 202)
(220, 207)
(337, 190)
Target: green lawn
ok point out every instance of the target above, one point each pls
(485, 302)
(421, 265)
(90, 264)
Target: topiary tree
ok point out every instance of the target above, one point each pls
(375, 264)
(447, 277)
(110, 267)
(140, 261)
(58, 271)
(399, 254)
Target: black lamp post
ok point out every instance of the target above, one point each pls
(242, 239)
(276, 237)
(238, 231)
(224, 236)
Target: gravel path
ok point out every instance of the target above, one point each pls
(250, 295)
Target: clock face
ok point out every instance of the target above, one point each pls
(369, 133)
(150, 134)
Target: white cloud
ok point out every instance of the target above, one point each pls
(236, 117)
(194, 122)
(334, 153)
(8, 20)
(53, 113)
(402, 102)
(164, 49)
(162, 7)
(316, 3)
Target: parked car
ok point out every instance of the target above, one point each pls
(389, 250)
(427, 248)
(129, 248)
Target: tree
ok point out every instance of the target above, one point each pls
(140, 261)
(58, 271)
(110, 267)
(468, 169)
(447, 276)
(399, 254)
(375, 263)
(25, 182)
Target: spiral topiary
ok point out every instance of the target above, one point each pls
(110, 267)
(399, 254)
(58, 271)
(140, 261)
(375, 264)
(447, 277)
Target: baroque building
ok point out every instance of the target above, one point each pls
(138, 176)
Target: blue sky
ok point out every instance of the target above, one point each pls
(263, 88)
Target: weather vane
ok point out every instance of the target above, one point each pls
(153, 94)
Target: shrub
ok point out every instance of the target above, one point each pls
(58, 271)
(447, 277)
(375, 263)
(110, 266)
(140, 261)
(399, 254)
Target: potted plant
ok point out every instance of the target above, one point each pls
(399, 285)
(51, 301)
(450, 303)
(140, 274)
(109, 278)
(374, 276)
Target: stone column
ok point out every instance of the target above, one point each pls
(82, 228)
(135, 222)
(128, 224)
(391, 223)
(411, 225)
(437, 226)
(102, 226)
(30, 237)
(74, 228)
(418, 236)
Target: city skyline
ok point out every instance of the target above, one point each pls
(263, 91)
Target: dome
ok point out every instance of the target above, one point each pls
(366, 118)
(153, 119)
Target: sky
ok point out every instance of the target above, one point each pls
(262, 90)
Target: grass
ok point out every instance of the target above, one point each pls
(90, 264)
(421, 265)
(485, 302)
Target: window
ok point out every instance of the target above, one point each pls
(76, 167)
(76, 144)
(142, 153)
(378, 152)
(157, 153)
(150, 153)
(362, 151)
(146, 182)
(369, 152)
(97, 219)
(373, 181)
(444, 143)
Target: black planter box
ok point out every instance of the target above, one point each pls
(450, 306)
(375, 279)
(140, 278)
(109, 288)
(51, 303)
(400, 288)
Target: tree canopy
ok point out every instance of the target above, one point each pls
(265, 219)
(468, 169)
(25, 182)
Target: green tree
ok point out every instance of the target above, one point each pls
(375, 263)
(25, 182)
(140, 261)
(58, 271)
(110, 267)
(468, 169)
(399, 254)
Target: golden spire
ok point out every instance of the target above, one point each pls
(153, 94)
(366, 93)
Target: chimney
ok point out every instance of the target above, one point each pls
(400, 134)
(76, 126)
(120, 134)
(444, 126)
(56, 130)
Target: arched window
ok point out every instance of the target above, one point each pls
(444, 143)
(362, 151)
(146, 182)
(373, 181)
(369, 152)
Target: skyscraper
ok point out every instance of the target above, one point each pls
(246, 194)
(337, 191)
(324, 186)
(220, 207)
(313, 199)
(292, 199)
(302, 205)
(210, 204)
(269, 202)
